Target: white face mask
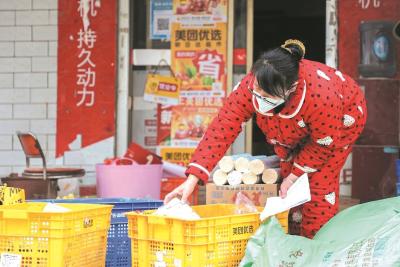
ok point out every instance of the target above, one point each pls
(266, 104)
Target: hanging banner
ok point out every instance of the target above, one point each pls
(86, 75)
(162, 89)
(160, 19)
(199, 59)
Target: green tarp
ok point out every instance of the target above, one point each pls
(366, 235)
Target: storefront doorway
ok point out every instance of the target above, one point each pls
(276, 21)
(257, 26)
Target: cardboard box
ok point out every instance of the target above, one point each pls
(226, 194)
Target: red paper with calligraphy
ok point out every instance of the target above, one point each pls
(86, 72)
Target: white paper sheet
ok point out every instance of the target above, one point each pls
(298, 194)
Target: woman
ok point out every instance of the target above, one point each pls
(311, 113)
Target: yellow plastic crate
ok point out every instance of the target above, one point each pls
(11, 195)
(51, 239)
(219, 238)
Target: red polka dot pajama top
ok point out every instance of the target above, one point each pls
(312, 134)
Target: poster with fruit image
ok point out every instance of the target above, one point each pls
(164, 116)
(199, 59)
(200, 10)
(189, 124)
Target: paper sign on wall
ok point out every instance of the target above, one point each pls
(160, 19)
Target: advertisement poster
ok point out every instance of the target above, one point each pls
(189, 123)
(87, 34)
(177, 155)
(200, 11)
(160, 19)
(199, 59)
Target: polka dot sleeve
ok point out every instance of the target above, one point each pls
(222, 131)
(324, 121)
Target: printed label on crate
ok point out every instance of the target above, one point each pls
(258, 194)
(10, 260)
(11, 195)
(243, 229)
(87, 222)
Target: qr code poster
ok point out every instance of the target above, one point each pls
(160, 19)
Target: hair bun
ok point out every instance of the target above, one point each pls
(295, 47)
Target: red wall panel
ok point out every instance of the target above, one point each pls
(350, 15)
(86, 72)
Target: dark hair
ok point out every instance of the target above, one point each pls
(277, 69)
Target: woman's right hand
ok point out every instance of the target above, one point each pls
(184, 190)
(286, 184)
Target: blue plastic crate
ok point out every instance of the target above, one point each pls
(398, 170)
(398, 189)
(118, 242)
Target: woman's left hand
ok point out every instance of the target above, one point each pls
(286, 184)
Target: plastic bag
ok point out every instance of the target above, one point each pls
(177, 209)
(243, 204)
(69, 186)
(364, 235)
(53, 207)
